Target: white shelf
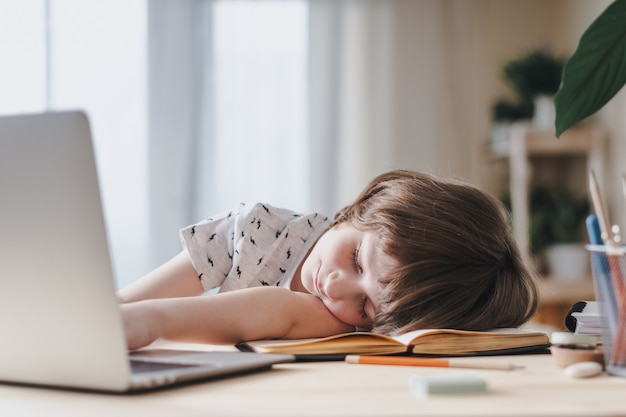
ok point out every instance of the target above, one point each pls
(524, 142)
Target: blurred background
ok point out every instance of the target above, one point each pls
(197, 105)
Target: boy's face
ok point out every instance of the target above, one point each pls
(343, 269)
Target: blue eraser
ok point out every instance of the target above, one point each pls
(463, 383)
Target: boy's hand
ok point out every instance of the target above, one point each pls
(138, 325)
(229, 318)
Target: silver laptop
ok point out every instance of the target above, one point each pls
(59, 318)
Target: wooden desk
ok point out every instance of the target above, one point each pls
(340, 389)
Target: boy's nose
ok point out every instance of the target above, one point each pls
(338, 286)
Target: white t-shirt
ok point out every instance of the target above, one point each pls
(251, 246)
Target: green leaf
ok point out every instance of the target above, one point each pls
(596, 71)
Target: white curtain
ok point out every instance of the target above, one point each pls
(395, 84)
(174, 79)
(228, 110)
(377, 86)
(351, 106)
(88, 55)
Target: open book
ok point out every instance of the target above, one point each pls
(418, 342)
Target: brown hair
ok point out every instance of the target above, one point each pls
(459, 264)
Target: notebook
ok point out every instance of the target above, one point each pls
(59, 318)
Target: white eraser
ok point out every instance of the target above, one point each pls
(464, 383)
(583, 370)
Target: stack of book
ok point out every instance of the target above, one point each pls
(588, 321)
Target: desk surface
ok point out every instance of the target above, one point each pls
(340, 389)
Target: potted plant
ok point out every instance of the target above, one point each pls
(536, 77)
(537, 73)
(508, 111)
(503, 113)
(557, 218)
(595, 72)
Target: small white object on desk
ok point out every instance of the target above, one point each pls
(573, 339)
(463, 383)
(583, 370)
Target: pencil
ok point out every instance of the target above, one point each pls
(436, 362)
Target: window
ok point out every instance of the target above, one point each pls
(93, 55)
(89, 55)
(260, 70)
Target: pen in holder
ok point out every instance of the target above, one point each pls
(608, 264)
(608, 261)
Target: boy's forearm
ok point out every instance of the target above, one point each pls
(196, 319)
(182, 319)
(229, 318)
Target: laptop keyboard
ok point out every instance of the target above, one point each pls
(142, 367)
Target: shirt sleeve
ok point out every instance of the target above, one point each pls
(251, 245)
(210, 244)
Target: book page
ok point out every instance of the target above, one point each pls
(461, 342)
(356, 342)
(426, 341)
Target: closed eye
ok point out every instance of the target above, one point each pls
(355, 259)
(362, 308)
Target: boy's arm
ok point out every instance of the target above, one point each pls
(175, 278)
(230, 318)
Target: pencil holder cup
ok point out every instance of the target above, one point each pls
(608, 265)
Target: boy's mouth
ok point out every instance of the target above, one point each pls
(318, 285)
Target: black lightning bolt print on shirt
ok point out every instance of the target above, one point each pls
(252, 245)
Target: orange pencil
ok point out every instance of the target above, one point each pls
(437, 362)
